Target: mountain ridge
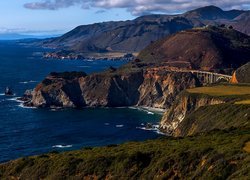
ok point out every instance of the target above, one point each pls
(134, 35)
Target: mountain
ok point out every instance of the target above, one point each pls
(134, 35)
(209, 48)
(212, 13)
(127, 36)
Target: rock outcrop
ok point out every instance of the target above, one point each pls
(242, 74)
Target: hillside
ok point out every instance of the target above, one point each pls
(209, 48)
(134, 35)
(213, 155)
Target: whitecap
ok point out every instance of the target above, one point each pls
(106, 124)
(146, 129)
(26, 82)
(2, 94)
(150, 113)
(62, 146)
(119, 125)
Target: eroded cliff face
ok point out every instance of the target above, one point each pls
(149, 88)
(184, 105)
(160, 87)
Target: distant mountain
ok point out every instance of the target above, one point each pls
(212, 13)
(209, 48)
(134, 35)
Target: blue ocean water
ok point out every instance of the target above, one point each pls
(27, 131)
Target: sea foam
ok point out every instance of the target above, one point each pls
(62, 146)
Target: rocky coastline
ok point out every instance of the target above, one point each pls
(68, 55)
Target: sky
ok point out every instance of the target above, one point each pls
(41, 17)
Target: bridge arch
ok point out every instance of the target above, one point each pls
(220, 78)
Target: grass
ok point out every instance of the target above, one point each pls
(213, 155)
(243, 102)
(222, 90)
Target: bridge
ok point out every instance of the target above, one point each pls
(210, 77)
(204, 76)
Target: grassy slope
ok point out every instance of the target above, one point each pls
(231, 93)
(214, 155)
(222, 90)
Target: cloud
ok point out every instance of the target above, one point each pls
(100, 11)
(139, 7)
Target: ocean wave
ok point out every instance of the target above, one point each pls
(106, 124)
(26, 107)
(26, 82)
(142, 109)
(2, 94)
(119, 126)
(154, 128)
(62, 146)
(15, 99)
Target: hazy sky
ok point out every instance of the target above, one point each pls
(59, 16)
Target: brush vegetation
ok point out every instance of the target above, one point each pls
(213, 155)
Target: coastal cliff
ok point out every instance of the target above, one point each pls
(207, 108)
(113, 88)
(183, 106)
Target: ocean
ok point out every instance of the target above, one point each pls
(32, 131)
